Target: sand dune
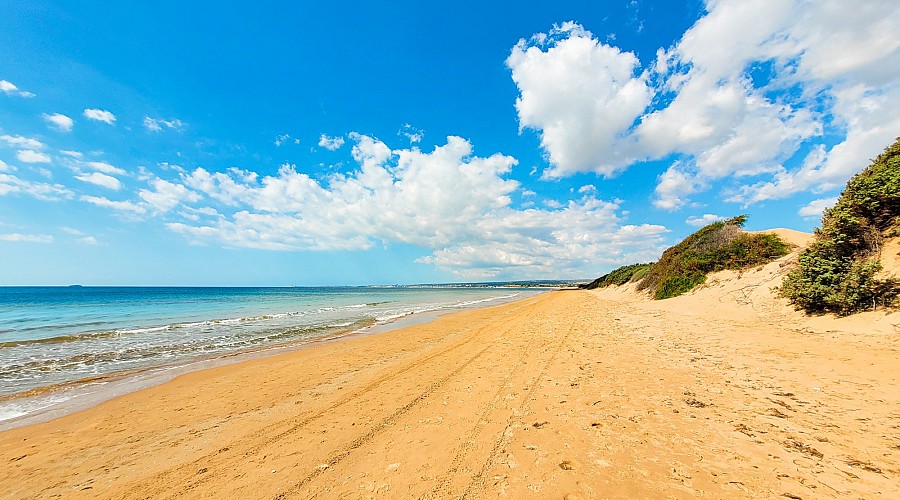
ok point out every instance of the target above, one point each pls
(792, 237)
(724, 392)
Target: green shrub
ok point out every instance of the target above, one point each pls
(716, 247)
(837, 273)
(640, 273)
(620, 276)
(675, 285)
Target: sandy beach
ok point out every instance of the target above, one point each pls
(722, 393)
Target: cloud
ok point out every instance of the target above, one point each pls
(223, 187)
(122, 206)
(816, 207)
(285, 138)
(11, 184)
(104, 167)
(729, 128)
(703, 220)
(826, 68)
(26, 238)
(59, 121)
(330, 143)
(552, 203)
(9, 89)
(72, 154)
(22, 142)
(676, 185)
(157, 124)
(870, 128)
(582, 96)
(80, 236)
(748, 90)
(99, 179)
(412, 133)
(449, 201)
(165, 195)
(32, 156)
(100, 115)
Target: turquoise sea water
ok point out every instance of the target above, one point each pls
(55, 338)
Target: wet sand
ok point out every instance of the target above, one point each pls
(570, 394)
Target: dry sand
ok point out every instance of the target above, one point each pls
(723, 393)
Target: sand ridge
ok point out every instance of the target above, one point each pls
(725, 392)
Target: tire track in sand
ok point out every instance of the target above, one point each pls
(250, 445)
(443, 488)
(476, 483)
(344, 452)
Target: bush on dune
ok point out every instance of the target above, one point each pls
(716, 247)
(620, 276)
(838, 272)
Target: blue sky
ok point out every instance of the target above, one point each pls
(288, 144)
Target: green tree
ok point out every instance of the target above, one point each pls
(838, 272)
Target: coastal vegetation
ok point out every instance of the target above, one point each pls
(716, 247)
(840, 271)
(620, 276)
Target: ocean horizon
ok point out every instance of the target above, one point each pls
(59, 343)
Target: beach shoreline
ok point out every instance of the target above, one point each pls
(568, 394)
(84, 394)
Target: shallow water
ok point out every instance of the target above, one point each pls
(54, 338)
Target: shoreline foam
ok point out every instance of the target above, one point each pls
(46, 403)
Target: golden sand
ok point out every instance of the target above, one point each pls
(724, 393)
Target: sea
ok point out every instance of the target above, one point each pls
(64, 348)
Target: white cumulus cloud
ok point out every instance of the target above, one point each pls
(59, 121)
(22, 142)
(749, 87)
(9, 89)
(122, 206)
(165, 195)
(102, 166)
(816, 207)
(100, 115)
(32, 156)
(832, 54)
(703, 220)
(99, 179)
(449, 201)
(330, 143)
(11, 184)
(676, 185)
(583, 97)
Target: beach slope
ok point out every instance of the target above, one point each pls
(724, 392)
